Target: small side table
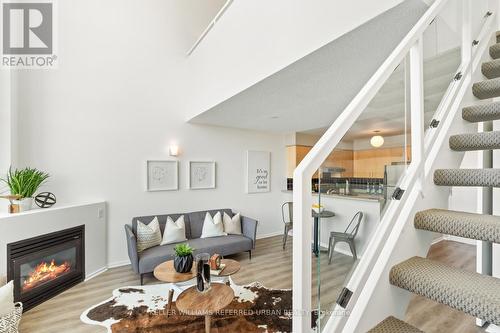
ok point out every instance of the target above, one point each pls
(232, 267)
(194, 303)
(317, 216)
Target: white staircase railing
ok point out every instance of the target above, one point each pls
(411, 47)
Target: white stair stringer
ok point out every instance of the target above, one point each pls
(378, 298)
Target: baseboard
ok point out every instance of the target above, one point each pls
(119, 263)
(460, 239)
(340, 250)
(96, 273)
(439, 239)
(272, 234)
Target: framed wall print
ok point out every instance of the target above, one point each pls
(201, 175)
(258, 171)
(162, 175)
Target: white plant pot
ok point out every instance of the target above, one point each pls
(24, 204)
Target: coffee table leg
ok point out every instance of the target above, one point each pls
(170, 300)
(207, 324)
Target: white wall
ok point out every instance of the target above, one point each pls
(5, 131)
(118, 98)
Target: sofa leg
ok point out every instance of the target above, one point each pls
(142, 279)
(250, 254)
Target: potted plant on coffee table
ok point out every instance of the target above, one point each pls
(183, 260)
(23, 183)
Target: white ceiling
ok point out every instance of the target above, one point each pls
(386, 112)
(310, 94)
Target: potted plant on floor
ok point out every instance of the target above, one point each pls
(183, 260)
(23, 183)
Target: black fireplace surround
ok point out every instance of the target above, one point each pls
(44, 266)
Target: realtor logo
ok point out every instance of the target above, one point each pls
(28, 34)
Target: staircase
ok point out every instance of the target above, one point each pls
(475, 294)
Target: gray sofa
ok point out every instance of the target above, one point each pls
(146, 261)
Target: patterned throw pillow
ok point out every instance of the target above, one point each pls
(213, 226)
(148, 235)
(232, 225)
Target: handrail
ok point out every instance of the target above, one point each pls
(210, 26)
(313, 160)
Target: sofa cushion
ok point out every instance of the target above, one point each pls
(196, 220)
(223, 245)
(162, 219)
(152, 257)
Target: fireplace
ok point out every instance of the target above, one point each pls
(42, 267)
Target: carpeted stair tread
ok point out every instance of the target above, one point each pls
(486, 89)
(475, 141)
(495, 51)
(394, 325)
(470, 292)
(491, 69)
(482, 112)
(467, 177)
(462, 224)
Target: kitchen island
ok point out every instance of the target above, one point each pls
(345, 207)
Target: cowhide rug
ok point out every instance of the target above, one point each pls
(255, 308)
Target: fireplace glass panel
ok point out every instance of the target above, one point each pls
(42, 270)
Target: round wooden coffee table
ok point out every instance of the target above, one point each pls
(194, 303)
(166, 272)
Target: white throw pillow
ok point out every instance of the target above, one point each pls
(213, 227)
(6, 298)
(232, 225)
(175, 232)
(148, 235)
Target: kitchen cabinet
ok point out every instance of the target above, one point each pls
(340, 158)
(370, 163)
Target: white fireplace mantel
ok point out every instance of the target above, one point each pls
(36, 222)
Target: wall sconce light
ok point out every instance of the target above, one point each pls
(173, 150)
(377, 140)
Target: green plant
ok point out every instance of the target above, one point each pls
(25, 182)
(183, 250)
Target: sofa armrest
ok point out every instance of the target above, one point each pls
(249, 228)
(132, 248)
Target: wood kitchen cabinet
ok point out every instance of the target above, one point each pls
(340, 158)
(368, 163)
(371, 163)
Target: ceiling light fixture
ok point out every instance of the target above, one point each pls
(377, 140)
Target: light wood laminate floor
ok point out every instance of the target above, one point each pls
(271, 266)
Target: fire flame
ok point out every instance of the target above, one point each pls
(45, 272)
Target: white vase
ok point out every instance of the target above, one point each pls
(25, 204)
